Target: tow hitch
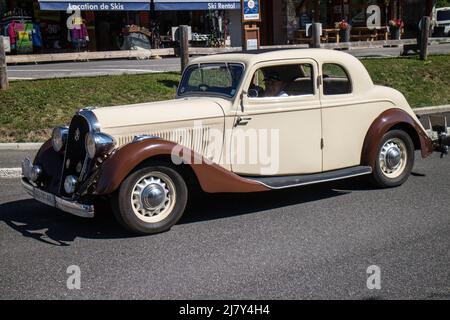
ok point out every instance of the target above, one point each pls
(440, 133)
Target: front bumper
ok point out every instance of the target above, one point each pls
(73, 207)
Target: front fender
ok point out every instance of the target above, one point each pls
(383, 123)
(211, 177)
(52, 163)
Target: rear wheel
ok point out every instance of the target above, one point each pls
(395, 159)
(151, 200)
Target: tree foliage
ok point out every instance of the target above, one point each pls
(442, 3)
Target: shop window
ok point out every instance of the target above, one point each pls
(335, 80)
(283, 81)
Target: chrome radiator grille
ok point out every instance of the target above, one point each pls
(75, 158)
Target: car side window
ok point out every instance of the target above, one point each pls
(283, 81)
(335, 80)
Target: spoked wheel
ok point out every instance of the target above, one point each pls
(395, 159)
(151, 200)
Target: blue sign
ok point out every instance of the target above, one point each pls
(197, 5)
(94, 6)
(251, 10)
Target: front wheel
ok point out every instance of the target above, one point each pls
(151, 200)
(395, 159)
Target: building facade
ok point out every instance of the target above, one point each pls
(291, 15)
(118, 25)
(126, 24)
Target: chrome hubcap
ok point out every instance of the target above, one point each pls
(153, 197)
(393, 157)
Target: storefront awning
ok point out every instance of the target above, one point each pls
(95, 5)
(162, 5)
(137, 5)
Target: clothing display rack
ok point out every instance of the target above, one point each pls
(22, 32)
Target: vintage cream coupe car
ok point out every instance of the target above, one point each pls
(241, 122)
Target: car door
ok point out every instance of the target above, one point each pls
(279, 135)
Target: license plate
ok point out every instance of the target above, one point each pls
(44, 197)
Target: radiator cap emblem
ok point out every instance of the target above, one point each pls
(77, 135)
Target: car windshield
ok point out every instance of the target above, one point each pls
(443, 15)
(214, 78)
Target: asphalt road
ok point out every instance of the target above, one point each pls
(117, 67)
(303, 243)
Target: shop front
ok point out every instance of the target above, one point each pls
(389, 18)
(213, 23)
(62, 26)
(47, 26)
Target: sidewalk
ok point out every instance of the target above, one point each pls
(91, 68)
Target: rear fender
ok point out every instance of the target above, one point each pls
(389, 120)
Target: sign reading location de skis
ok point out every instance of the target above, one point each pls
(251, 10)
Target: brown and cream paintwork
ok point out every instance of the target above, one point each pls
(351, 125)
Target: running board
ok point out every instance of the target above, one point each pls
(281, 182)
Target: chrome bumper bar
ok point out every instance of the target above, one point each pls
(75, 208)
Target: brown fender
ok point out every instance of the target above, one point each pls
(212, 177)
(387, 120)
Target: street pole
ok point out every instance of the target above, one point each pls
(184, 46)
(425, 33)
(3, 72)
(315, 28)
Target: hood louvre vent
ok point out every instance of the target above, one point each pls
(196, 139)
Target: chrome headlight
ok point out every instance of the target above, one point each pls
(59, 138)
(36, 173)
(70, 184)
(98, 144)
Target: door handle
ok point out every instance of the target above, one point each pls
(242, 121)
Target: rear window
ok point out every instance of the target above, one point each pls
(335, 80)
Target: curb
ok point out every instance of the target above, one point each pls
(430, 110)
(36, 146)
(20, 146)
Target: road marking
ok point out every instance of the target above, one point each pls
(10, 173)
(20, 146)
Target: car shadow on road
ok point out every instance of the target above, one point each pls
(52, 226)
(218, 206)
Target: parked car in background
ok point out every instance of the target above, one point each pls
(441, 22)
(241, 122)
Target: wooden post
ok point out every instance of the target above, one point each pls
(184, 46)
(425, 33)
(3, 72)
(315, 29)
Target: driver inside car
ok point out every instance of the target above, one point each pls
(274, 86)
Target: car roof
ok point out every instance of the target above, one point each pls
(356, 70)
(251, 57)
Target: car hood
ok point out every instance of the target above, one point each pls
(143, 114)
